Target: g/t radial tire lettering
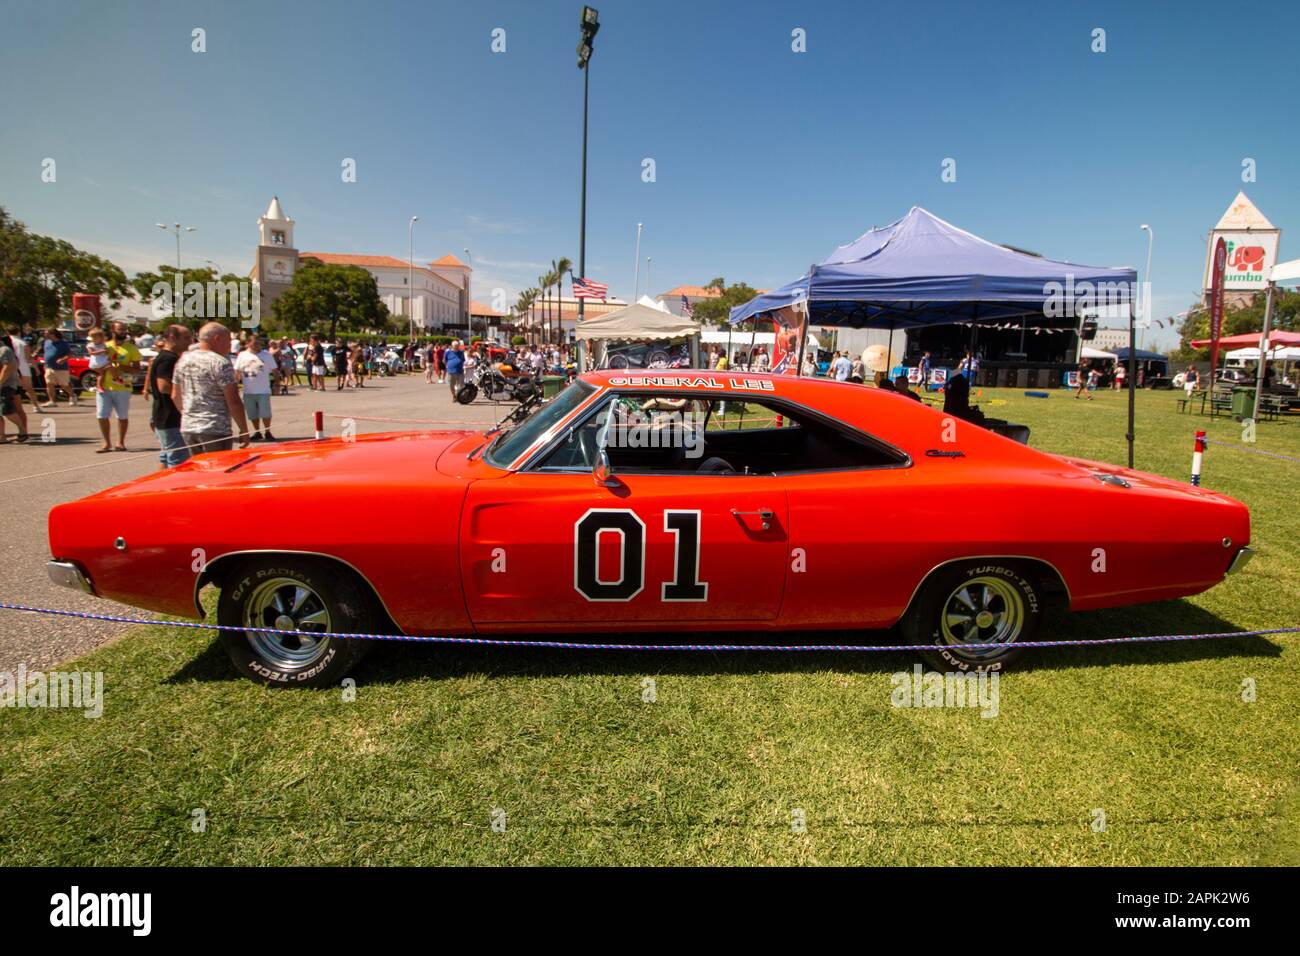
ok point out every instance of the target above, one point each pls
(294, 593)
(969, 615)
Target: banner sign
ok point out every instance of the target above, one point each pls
(784, 349)
(1250, 256)
(1220, 262)
(85, 311)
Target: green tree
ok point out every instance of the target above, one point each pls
(145, 283)
(39, 274)
(715, 311)
(324, 297)
(1250, 318)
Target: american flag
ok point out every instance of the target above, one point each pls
(688, 310)
(589, 289)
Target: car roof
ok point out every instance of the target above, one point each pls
(709, 381)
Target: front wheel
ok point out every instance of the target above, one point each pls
(293, 594)
(969, 616)
(87, 381)
(466, 394)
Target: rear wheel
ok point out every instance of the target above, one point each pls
(293, 594)
(969, 616)
(87, 381)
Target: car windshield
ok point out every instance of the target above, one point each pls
(511, 444)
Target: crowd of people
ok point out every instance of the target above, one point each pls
(211, 389)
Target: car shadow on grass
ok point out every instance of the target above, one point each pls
(400, 662)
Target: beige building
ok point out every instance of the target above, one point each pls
(672, 299)
(436, 295)
(563, 313)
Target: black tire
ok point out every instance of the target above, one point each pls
(618, 361)
(87, 381)
(336, 601)
(1006, 604)
(466, 394)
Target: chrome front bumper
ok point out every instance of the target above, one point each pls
(1241, 560)
(69, 575)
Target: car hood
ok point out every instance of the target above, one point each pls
(1147, 482)
(389, 458)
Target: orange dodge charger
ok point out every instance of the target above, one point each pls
(650, 501)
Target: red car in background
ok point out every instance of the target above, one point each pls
(79, 373)
(656, 502)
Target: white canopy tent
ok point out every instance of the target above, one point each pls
(639, 323)
(1283, 353)
(1091, 353)
(652, 303)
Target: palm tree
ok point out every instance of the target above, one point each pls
(525, 307)
(547, 281)
(522, 304)
(561, 269)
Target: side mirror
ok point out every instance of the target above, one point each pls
(601, 472)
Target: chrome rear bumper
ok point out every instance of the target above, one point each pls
(69, 575)
(1241, 560)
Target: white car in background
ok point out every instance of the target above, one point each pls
(300, 361)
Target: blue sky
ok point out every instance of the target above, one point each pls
(765, 159)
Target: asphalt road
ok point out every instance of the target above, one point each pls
(38, 475)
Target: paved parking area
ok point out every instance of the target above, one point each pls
(36, 476)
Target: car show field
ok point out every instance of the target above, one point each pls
(548, 756)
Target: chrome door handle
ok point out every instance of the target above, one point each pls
(763, 513)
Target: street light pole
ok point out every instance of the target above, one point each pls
(469, 315)
(1151, 238)
(636, 277)
(590, 26)
(176, 228)
(410, 278)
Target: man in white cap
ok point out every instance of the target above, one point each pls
(455, 359)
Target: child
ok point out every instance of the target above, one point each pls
(98, 353)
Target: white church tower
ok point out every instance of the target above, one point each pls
(277, 259)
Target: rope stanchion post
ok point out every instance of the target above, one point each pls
(1198, 455)
(320, 425)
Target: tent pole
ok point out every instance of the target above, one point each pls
(752, 338)
(803, 338)
(1132, 381)
(889, 353)
(1263, 349)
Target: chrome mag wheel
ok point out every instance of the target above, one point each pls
(981, 614)
(287, 605)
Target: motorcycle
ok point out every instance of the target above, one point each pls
(496, 386)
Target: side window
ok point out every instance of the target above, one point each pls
(656, 433)
(762, 438)
(735, 416)
(640, 432)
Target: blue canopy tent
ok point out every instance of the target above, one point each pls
(921, 271)
(1141, 355)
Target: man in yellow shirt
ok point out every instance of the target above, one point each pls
(114, 394)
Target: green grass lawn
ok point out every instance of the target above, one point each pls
(586, 771)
